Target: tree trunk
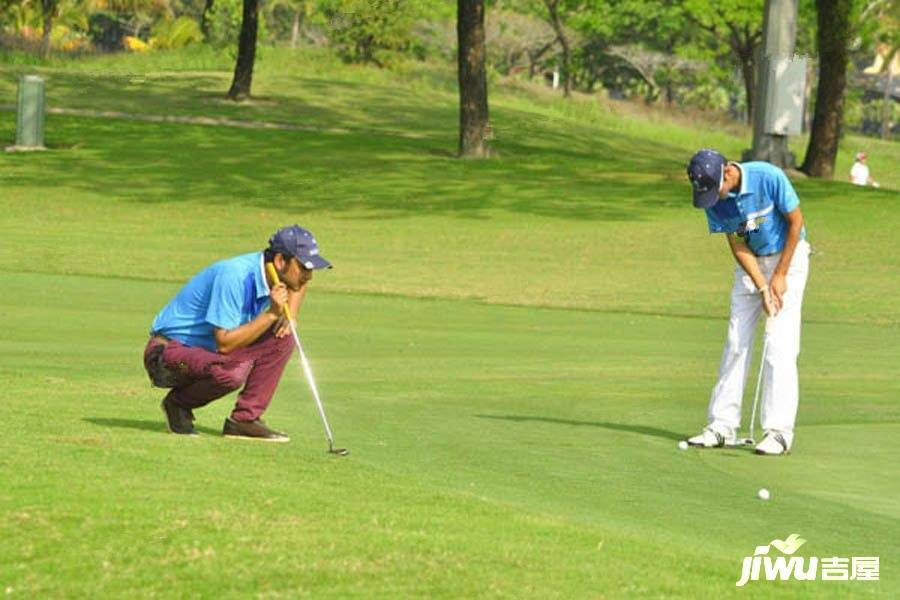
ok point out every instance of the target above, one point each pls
(832, 39)
(243, 69)
(887, 103)
(295, 27)
(473, 99)
(556, 23)
(204, 18)
(811, 70)
(748, 74)
(48, 7)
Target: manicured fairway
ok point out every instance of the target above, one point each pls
(511, 351)
(507, 450)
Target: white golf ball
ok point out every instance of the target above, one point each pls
(682, 445)
(763, 494)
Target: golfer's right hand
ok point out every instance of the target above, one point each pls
(278, 295)
(768, 302)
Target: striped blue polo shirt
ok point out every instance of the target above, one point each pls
(756, 211)
(224, 295)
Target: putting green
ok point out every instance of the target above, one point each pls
(529, 449)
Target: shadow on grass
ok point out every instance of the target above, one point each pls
(559, 174)
(377, 150)
(638, 429)
(159, 426)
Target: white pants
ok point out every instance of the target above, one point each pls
(780, 394)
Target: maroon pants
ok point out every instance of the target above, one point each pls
(200, 376)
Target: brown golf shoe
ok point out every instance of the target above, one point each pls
(252, 430)
(179, 420)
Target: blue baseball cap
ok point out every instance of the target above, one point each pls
(299, 243)
(706, 172)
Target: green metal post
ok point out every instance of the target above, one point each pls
(30, 113)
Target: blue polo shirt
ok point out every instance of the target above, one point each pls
(756, 211)
(224, 295)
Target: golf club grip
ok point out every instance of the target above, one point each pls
(273, 276)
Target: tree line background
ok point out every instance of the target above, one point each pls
(691, 53)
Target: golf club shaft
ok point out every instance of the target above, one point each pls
(762, 366)
(312, 383)
(273, 275)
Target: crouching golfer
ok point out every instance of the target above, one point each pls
(225, 330)
(757, 209)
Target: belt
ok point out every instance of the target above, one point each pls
(160, 339)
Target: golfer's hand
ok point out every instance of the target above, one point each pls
(278, 297)
(768, 302)
(778, 287)
(282, 328)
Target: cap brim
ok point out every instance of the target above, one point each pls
(706, 199)
(314, 262)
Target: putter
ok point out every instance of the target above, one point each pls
(749, 441)
(273, 275)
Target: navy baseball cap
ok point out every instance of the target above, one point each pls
(299, 243)
(706, 172)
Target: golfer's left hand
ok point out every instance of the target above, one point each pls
(778, 286)
(282, 328)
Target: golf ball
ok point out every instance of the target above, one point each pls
(682, 445)
(763, 494)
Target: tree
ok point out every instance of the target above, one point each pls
(556, 15)
(56, 12)
(648, 35)
(887, 14)
(243, 68)
(298, 11)
(835, 19)
(374, 31)
(517, 41)
(473, 99)
(49, 9)
(204, 17)
(736, 25)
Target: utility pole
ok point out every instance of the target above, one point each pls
(780, 86)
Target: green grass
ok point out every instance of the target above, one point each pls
(510, 349)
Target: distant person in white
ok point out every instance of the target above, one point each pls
(859, 172)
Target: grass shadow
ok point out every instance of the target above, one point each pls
(142, 425)
(638, 429)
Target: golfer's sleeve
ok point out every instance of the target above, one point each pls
(715, 225)
(782, 193)
(225, 301)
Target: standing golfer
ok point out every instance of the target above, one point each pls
(225, 330)
(756, 207)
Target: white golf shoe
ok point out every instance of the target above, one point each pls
(711, 438)
(773, 444)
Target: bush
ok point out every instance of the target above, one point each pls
(371, 31)
(133, 44)
(106, 30)
(170, 35)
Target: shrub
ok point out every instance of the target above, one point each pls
(133, 44)
(370, 31)
(169, 34)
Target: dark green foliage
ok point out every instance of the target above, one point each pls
(371, 31)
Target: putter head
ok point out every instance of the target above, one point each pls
(339, 451)
(746, 442)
